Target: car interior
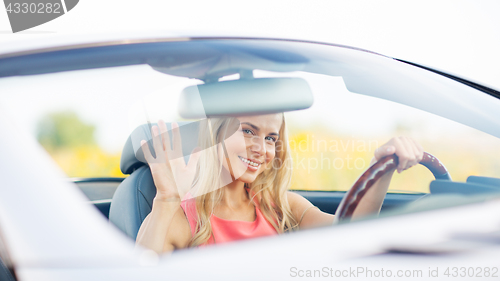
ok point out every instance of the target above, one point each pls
(127, 201)
(293, 77)
(132, 199)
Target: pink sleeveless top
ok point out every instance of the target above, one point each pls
(228, 230)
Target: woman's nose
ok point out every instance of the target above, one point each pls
(258, 145)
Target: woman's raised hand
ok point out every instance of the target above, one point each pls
(409, 152)
(172, 177)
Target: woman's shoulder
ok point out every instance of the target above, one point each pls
(295, 198)
(300, 207)
(298, 204)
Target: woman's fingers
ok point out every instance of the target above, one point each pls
(176, 139)
(410, 155)
(146, 152)
(402, 153)
(420, 150)
(162, 145)
(157, 145)
(413, 150)
(164, 135)
(384, 150)
(409, 152)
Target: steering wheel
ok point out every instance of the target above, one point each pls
(374, 173)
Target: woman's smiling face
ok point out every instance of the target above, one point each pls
(252, 148)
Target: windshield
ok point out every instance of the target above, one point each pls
(83, 118)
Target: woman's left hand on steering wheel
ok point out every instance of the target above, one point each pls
(409, 152)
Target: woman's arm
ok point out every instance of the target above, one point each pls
(409, 153)
(166, 227)
(153, 231)
(306, 214)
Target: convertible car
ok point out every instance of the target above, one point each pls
(75, 186)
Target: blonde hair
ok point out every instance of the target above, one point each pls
(269, 188)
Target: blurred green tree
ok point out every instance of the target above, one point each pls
(64, 130)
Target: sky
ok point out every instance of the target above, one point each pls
(461, 37)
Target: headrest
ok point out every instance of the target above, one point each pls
(132, 156)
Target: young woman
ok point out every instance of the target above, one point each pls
(237, 187)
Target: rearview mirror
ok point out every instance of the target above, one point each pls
(245, 97)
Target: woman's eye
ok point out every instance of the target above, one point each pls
(247, 131)
(271, 139)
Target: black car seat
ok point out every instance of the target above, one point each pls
(6, 274)
(132, 200)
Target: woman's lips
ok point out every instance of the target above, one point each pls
(251, 165)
